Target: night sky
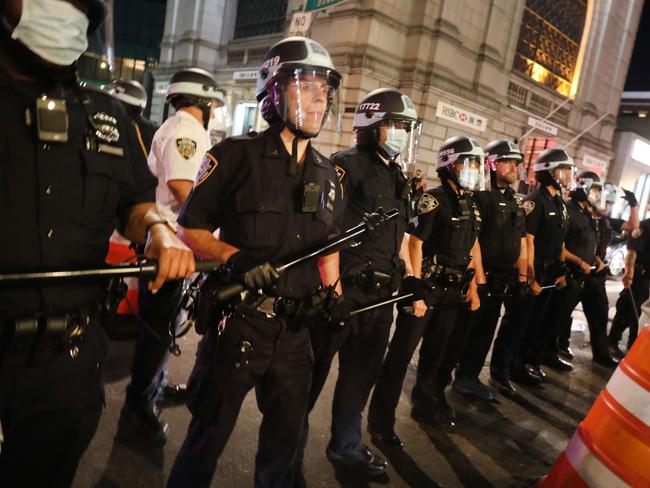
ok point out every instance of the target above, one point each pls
(638, 76)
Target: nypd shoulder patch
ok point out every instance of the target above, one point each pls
(427, 203)
(529, 206)
(208, 165)
(186, 147)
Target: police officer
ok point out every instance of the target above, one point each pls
(580, 256)
(70, 170)
(271, 195)
(547, 221)
(636, 283)
(176, 152)
(442, 248)
(371, 173)
(503, 250)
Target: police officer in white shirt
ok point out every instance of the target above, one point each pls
(176, 152)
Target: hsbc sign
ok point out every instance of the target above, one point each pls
(461, 116)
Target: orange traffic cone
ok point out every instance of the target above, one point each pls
(611, 447)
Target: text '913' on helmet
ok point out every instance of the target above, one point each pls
(298, 60)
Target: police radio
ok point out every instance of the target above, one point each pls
(51, 119)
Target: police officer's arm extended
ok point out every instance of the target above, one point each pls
(479, 277)
(175, 260)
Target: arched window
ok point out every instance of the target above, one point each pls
(549, 42)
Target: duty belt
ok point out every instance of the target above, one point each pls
(280, 307)
(443, 274)
(63, 332)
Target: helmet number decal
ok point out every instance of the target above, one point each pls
(369, 106)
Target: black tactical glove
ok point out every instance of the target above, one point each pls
(338, 311)
(374, 222)
(251, 273)
(630, 198)
(414, 285)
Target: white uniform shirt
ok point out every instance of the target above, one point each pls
(177, 149)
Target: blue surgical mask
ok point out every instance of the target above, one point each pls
(53, 29)
(396, 142)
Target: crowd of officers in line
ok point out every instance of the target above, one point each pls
(459, 254)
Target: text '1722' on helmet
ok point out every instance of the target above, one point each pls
(297, 86)
(129, 92)
(387, 119)
(461, 159)
(547, 164)
(591, 188)
(195, 87)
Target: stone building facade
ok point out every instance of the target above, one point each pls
(485, 68)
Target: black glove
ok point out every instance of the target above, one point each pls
(251, 273)
(414, 285)
(630, 198)
(374, 222)
(338, 311)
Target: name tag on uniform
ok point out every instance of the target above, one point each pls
(502, 204)
(551, 213)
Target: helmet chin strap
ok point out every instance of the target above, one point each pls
(206, 108)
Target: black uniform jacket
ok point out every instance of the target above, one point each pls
(243, 188)
(582, 234)
(59, 201)
(503, 225)
(448, 224)
(547, 219)
(369, 183)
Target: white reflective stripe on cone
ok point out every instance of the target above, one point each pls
(632, 396)
(589, 467)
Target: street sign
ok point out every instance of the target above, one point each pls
(300, 23)
(542, 125)
(249, 74)
(596, 165)
(461, 116)
(313, 5)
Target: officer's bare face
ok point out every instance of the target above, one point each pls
(307, 102)
(563, 175)
(507, 171)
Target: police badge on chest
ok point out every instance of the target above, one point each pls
(103, 135)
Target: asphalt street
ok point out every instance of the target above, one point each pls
(505, 443)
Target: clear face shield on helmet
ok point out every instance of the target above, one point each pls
(566, 177)
(472, 172)
(399, 140)
(596, 196)
(219, 123)
(508, 171)
(309, 100)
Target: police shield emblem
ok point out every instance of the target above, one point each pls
(186, 147)
(208, 165)
(427, 203)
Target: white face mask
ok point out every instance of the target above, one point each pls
(53, 29)
(468, 178)
(395, 143)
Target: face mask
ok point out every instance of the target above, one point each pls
(468, 178)
(395, 143)
(53, 29)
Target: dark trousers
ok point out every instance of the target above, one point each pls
(149, 368)
(49, 413)
(625, 310)
(435, 329)
(558, 327)
(278, 365)
(596, 308)
(361, 346)
(480, 337)
(534, 339)
(505, 352)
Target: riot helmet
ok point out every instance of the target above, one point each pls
(195, 87)
(554, 167)
(589, 188)
(461, 160)
(387, 119)
(504, 151)
(130, 92)
(297, 86)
